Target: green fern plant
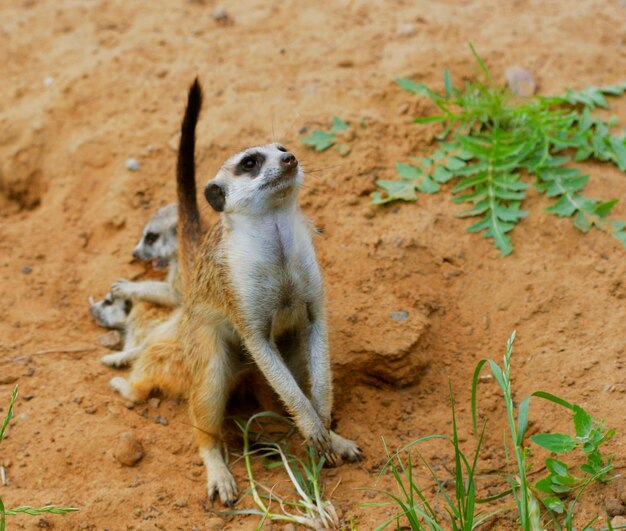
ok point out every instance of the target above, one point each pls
(491, 140)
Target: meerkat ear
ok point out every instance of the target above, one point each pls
(215, 196)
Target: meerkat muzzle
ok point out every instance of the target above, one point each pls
(288, 161)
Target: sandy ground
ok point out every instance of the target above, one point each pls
(88, 84)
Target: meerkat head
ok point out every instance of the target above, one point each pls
(255, 180)
(158, 241)
(110, 312)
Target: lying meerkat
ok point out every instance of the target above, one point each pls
(140, 323)
(253, 295)
(158, 244)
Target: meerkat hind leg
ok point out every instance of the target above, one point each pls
(207, 404)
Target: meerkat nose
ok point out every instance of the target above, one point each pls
(287, 160)
(136, 254)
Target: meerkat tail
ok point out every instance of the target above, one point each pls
(189, 228)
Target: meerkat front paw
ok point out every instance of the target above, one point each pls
(221, 481)
(114, 360)
(346, 449)
(123, 289)
(321, 441)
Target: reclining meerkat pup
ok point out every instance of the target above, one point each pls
(141, 324)
(253, 296)
(158, 244)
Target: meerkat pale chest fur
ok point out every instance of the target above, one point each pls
(254, 282)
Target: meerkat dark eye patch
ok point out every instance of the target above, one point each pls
(281, 148)
(251, 165)
(151, 237)
(128, 306)
(215, 196)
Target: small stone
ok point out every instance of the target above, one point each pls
(344, 149)
(111, 340)
(618, 520)
(78, 399)
(154, 402)
(181, 503)
(31, 371)
(90, 410)
(48, 81)
(614, 507)
(173, 142)
(149, 148)
(132, 164)
(27, 270)
(221, 16)
(485, 378)
(406, 30)
(520, 81)
(214, 523)
(399, 316)
(128, 404)
(6, 379)
(161, 420)
(345, 63)
(128, 450)
(403, 109)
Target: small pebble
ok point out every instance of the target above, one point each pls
(345, 63)
(48, 81)
(618, 520)
(520, 81)
(27, 270)
(399, 316)
(132, 165)
(31, 371)
(90, 410)
(111, 340)
(154, 402)
(221, 16)
(614, 507)
(214, 523)
(161, 420)
(485, 378)
(129, 450)
(6, 379)
(181, 503)
(406, 30)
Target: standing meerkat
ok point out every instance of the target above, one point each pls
(252, 293)
(158, 244)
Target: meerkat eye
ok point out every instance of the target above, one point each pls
(106, 302)
(281, 148)
(151, 237)
(248, 163)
